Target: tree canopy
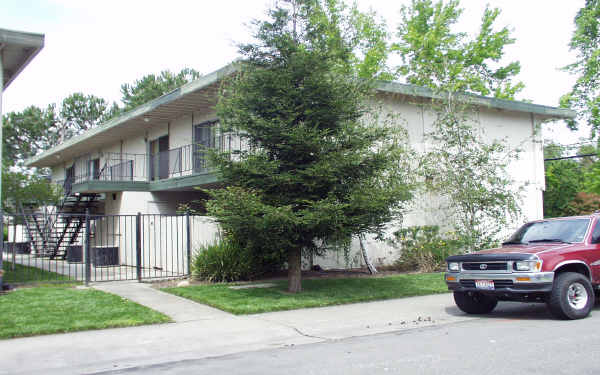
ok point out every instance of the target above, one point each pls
(584, 97)
(435, 56)
(466, 171)
(152, 86)
(572, 185)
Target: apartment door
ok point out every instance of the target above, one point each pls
(69, 178)
(204, 138)
(94, 169)
(159, 156)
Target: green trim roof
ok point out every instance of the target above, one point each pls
(18, 49)
(51, 157)
(484, 101)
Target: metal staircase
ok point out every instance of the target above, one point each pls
(52, 230)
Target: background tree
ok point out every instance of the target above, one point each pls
(318, 170)
(152, 86)
(564, 179)
(465, 170)
(27, 133)
(584, 97)
(33, 130)
(435, 56)
(572, 185)
(22, 189)
(80, 112)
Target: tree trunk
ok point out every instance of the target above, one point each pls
(365, 254)
(294, 270)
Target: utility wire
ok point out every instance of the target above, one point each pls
(570, 157)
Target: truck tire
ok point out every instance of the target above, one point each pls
(474, 302)
(572, 296)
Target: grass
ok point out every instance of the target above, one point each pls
(23, 274)
(316, 293)
(60, 308)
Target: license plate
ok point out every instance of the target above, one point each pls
(484, 284)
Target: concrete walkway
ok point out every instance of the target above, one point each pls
(203, 332)
(179, 309)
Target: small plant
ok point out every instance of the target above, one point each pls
(227, 260)
(221, 261)
(423, 248)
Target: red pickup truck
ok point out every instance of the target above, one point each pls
(555, 261)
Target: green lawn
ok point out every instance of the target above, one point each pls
(316, 292)
(54, 309)
(23, 274)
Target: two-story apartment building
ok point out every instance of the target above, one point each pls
(151, 159)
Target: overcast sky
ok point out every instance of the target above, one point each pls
(94, 46)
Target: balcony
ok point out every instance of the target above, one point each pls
(177, 168)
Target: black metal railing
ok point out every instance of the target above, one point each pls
(99, 247)
(130, 167)
(111, 166)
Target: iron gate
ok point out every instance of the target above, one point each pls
(91, 248)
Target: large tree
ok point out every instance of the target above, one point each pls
(467, 171)
(584, 97)
(319, 168)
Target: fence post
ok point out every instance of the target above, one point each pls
(188, 244)
(1, 245)
(88, 265)
(138, 246)
(14, 240)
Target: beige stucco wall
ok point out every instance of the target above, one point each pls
(519, 130)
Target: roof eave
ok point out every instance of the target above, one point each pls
(483, 101)
(45, 159)
(31, 41)
(42, 159)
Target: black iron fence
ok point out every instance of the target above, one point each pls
(92, 248)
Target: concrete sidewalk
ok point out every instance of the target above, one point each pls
(179, 309)
(204, 332)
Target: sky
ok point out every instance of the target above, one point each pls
(94, 46)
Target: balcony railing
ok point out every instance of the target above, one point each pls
(112, 166)
(182, 161)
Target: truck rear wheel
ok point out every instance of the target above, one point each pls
(572, 296)
(475, 302)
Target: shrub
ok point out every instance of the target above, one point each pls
(583, 204)
(222, 261)
(423, 248)
(227, 260)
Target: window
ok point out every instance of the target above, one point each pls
(596, 233)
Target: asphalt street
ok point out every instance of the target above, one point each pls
(522, 339)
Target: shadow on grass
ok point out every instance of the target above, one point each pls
(20, 274)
